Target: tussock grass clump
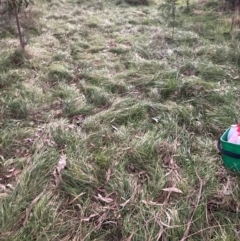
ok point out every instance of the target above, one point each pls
(109, 123)
(10, 77)
(18, 108)
(96, 96)
(13, 60)
(12, 134)
(58, 72)
(212, 72)
(118, 87)
(92, 79)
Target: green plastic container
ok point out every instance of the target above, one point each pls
(230, 152)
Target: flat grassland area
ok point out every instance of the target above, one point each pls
(133, 107)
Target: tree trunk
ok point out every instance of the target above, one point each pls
(237, 5)
(19, 28)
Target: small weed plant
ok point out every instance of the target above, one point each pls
(13, 7)
(169, 11)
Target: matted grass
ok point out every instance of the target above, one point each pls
(137, 115)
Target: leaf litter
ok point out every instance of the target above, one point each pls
(172, 189)
(104, 199)
(57, 173)
(7, 179)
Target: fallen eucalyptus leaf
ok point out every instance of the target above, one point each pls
(172, 189)
(125, 203)
(104, 199)
(61, 164)
(57, 173)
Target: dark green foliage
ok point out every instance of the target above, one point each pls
(137, 2)
(18, 109)
(233, 3)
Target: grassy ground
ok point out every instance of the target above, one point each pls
(137, 115)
